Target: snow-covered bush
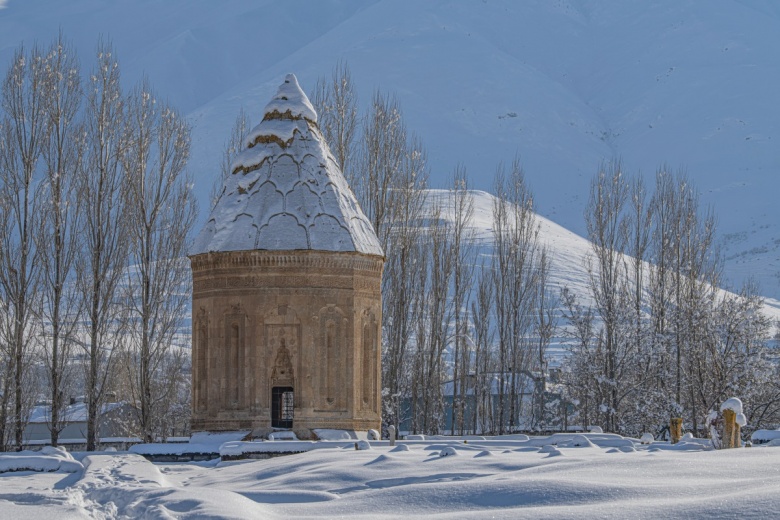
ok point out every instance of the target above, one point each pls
(448, 452)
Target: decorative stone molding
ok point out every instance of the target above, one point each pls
(331, 261)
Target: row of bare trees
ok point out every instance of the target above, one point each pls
(470, 326)
(661, 339)
(438, 334)
(95, 207)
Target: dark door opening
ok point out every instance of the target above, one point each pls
(282, 404)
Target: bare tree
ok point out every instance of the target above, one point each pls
(418, 391)
(698, 277)
(23, 132)
(59, 223)
(403, 280)
(683, 276)
(545, 320)
(390, 190)
(604, 218)
(484, 370)
(584, 363)
(384, 162)
(463, 252)
(233, 146)
(438, 316)
(336, 104)
(432, 319)
(663, 206)
(515, 275)
(162, 210)
(104, 237)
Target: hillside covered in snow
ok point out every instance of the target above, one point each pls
(569, 255)
(562, 84)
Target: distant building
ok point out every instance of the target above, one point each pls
(114, 421)
(286, 288)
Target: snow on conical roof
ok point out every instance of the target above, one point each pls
(286, 191)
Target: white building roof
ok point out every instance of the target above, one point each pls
(286, 191)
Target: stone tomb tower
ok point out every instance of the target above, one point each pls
(286, 304)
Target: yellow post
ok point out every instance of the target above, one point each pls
(729, 423)
(737, 440)
(675, 429)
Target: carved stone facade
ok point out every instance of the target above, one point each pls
(287, 339)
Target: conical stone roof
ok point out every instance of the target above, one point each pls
(286, 191)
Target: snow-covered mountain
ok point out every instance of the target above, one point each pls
(569, 254)
(562, 84)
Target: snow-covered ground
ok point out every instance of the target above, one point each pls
(477, 479)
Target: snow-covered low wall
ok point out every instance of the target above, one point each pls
(766, 437)
(47, 460)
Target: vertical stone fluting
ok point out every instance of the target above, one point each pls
(319, 338)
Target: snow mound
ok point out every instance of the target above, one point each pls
(647, 438)
(449, 451)
(551, 450)
(284, 435)
(577, 441)
(734, 404)
(765, 436)
(47, 460)
(334, 435)
(400, 447)
(362, 445)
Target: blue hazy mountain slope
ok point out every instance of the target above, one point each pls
(561, 84)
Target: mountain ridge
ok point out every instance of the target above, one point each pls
(564, 85)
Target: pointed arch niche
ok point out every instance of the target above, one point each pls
(369, 356)
(234, 354)
(331, 357)
(282, 338)
(201, 361)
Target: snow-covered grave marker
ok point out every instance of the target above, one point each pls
(675, 429)
(733, 420)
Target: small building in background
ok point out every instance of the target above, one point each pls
(115, 424)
